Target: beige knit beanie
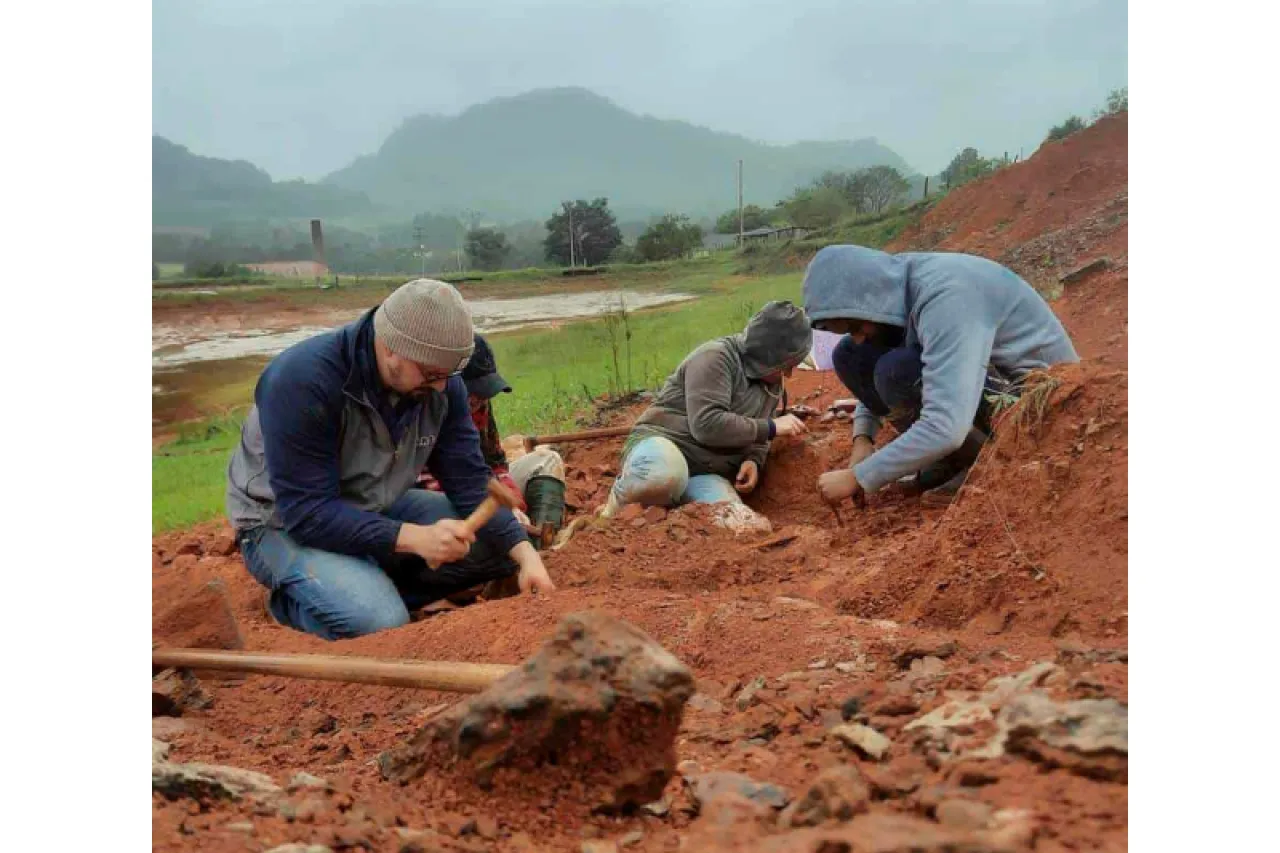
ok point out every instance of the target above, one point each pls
(426, 321)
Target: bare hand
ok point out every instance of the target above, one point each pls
(748, 476)
(862, 448)
(835, 486)
(789, 425)
(534, 578)
(443, 542)
(533, 575)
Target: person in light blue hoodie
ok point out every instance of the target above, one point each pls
(928, 337)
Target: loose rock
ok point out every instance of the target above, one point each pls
(1088, 736)
(963, 814)
(174, 692)
(959, 715)
(889, 833)
(209, 781)
(703, 702)
(863, 740)
(658, 808)
(839, 793)
(203, 619)
(304, 781)
(708, 786)
(300, 848)
(921, 650)
(748, 694)
(893, 781)
(739, 518)
(762, 721)
(225, 544)
(1001, 689)
(927, 666)
(896, 706)
(596, 674)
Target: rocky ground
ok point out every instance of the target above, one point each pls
(905, 678)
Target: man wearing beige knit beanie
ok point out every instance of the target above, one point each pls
(320, 487)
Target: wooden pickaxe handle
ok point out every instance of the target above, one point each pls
(454, 676)
(532, 441)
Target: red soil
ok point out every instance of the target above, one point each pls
(1032, 556)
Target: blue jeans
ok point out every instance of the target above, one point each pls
(655, 473)
(337, 596)
(888, 381)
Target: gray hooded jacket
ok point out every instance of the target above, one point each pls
(967, 315)
(714, 407)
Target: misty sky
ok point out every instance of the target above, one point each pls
(301, 88)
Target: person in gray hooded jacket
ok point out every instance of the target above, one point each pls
(928, 336)
(707, 433)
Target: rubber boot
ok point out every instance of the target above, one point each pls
(545, 498)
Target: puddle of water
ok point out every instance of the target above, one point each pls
(193, 368)
(174, 346)
(228, 345)
(493, 314)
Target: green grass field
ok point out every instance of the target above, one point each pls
(188, 475)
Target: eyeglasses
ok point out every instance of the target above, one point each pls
(432, 375)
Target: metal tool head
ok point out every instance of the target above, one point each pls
(503, 495)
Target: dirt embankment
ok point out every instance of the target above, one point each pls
(898, 620)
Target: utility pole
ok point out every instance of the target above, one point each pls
(739, 204)
(572, 260)
(420, 238)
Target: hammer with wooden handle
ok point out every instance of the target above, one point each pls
(499, 495)
(532, 441)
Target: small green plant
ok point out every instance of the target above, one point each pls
(1027, 409)
(616, 332)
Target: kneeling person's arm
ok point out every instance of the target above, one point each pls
(708, 389)
(458, 463)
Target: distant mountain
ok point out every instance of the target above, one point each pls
(190, 190)
(521, 156)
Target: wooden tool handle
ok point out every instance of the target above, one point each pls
(453, 676)
(533, 441)
(481, 516)
(499, 495)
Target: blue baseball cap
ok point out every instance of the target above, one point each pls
(481, 373)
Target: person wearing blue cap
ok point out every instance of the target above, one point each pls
(537, 477)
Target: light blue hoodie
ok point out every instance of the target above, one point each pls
(967, 315)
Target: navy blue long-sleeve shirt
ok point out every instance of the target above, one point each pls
(315, 402)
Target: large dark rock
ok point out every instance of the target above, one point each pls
(593, 715)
